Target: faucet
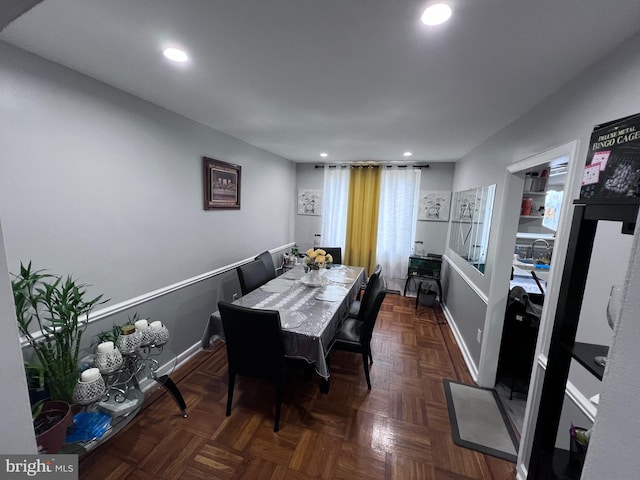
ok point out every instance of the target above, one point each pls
(546, 245)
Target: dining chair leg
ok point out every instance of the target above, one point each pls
(365, 360)
(276, 424)
(232, 381)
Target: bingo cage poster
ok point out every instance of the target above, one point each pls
(613, 162)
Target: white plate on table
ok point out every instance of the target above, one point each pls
(294, 274)
(277, 285)
(341, 276)
(291, 318)
(332, 293)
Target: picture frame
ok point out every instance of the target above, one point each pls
(309, 202)
(434, 205)
(221, 184)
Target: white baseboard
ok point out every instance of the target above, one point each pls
(466, 355)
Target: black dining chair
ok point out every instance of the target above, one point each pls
(255, 348)
(252, 275)
(354, 308)
(267, 260)
(336, 254)
(355, 333)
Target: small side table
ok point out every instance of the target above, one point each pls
(424, 268)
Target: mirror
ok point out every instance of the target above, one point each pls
(470, 224)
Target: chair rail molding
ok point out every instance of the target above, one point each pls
(139, 300)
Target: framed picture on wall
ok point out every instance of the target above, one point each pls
(434, 206)
(221, 184)
(309, 202)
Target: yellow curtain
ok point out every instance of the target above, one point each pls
(362, 217)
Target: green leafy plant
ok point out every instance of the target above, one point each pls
(52, 314)
(113, 334)
(35, 375)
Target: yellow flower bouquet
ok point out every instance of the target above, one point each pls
(317, 259)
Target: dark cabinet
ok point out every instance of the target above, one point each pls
(424, 268)
(548, 462)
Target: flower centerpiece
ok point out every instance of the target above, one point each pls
(317, 259)
(314, 260)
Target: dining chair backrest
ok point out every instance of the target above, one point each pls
(255, 345)
(335, 252)
(378, 269)
(369, 310)
(373, 279)
(228, 287)
(267, 260)
(252, 275)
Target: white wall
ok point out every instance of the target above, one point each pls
(306, 226)
(606, 91)
(16, 413)
(613, 450)
(106, 186)
(438, 176)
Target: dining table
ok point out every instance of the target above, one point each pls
(311, 307)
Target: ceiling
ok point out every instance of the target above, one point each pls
(358, 79)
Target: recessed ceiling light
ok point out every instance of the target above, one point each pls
(175, 54)
(436, 14)
(323, 154)
(407, 154)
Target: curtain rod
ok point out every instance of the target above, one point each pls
(373, 165)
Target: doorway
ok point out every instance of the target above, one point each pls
(536, 243)
(540, 208)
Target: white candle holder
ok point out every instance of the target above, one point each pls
(109, 361)
(85, 393)
(128, 343)
(162, 335)
(147, 336)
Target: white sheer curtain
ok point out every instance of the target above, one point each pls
(334, 207)
(399, 191)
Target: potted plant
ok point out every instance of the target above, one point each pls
(38, 391)
(50, 424)
(52, 313)
(113, 334)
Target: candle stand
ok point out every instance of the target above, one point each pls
(123, 396)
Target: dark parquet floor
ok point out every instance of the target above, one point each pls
(398, 430)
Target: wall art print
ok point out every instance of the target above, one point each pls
(309, 202)
(221, 184)
(434, 205)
